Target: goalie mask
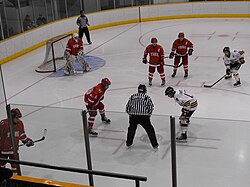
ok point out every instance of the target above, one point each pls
(75, 36)
(142, 88)
(105, 83)
(170, 92)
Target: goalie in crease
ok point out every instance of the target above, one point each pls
(73, 52)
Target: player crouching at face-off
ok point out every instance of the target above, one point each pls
(233, 60)
(189, 105)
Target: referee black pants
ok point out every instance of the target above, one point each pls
(85, 31)
(145, 122)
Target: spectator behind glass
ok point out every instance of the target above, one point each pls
(28, 23)
(41, 20)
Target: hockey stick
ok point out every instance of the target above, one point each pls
(173, 65)
(210, 86)
(176, 54)
(38, 140)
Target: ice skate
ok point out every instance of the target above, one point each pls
(66, 73)
(182, 137)
(173, 75)
(105, 120)
(92, 133)
(150, 82)
(155, 148)
(163, 82)
(237, 83)
(186, 75)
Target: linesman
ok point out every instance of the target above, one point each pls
(140, 108)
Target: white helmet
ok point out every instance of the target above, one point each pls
(75, 36)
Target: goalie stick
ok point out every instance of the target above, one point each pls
(38, 140)
(210, 86)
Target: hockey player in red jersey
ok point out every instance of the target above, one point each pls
(6, 148)
(181, 48)
(73, 52)
(156, 60)
(93, 101)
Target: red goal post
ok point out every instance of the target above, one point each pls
(54, 54)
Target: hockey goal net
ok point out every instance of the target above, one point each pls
(54, 55)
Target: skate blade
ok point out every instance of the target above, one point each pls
(181, 141)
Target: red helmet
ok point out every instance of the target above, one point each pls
(181, 35)
(15, 113)
(154, 40)
(106, 81)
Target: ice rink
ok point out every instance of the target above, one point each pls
(217, 152)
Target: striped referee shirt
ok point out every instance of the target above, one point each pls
(140, 104)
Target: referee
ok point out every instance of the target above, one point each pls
(140, 108)
(83, 23)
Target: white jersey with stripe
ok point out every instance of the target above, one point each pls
(187, 101)
(233, 58)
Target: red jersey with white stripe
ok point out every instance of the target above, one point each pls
(181, 47)
(74, 46)
(156, 54)
(94, 95)
(5, 139)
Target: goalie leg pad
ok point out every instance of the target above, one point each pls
(83, 63)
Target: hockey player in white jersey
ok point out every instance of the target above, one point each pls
(233, 60)
(189, 105)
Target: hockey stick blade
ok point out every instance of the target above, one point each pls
(38, 140)
(210, 86)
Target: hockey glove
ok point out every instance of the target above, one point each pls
(144, 61)
(228, 71)
(171, 55)
(190, 52)
(80, 53)
(28, 142)
(241, 52)
(242, 60)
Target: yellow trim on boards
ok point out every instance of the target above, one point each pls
(45, 181)
(12, 57)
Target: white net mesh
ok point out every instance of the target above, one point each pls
(54, 54)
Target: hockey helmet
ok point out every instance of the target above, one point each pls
(181, 35)
(226, 49)
(105, 82)
(142, 88)
(75, 36)
(154, 40)
(170, 92)
(15, 113)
